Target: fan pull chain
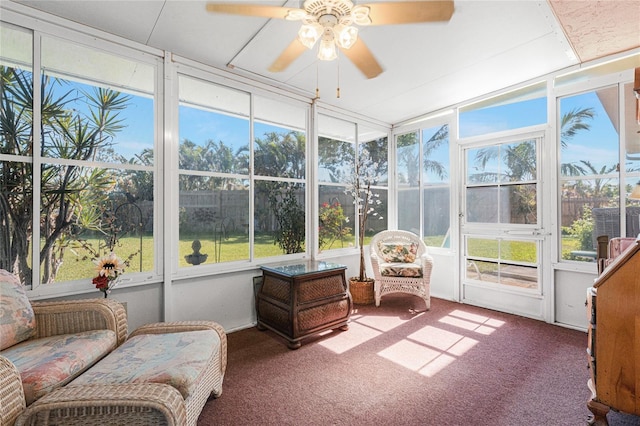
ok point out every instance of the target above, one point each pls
(317, 84)
(338, 89)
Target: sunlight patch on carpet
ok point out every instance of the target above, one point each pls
(437, 365)
(472, 322)
(443, 340)
(382, 322)
(410, 355)
(356, 335)
(428, 350)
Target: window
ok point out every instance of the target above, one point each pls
(436, 186)
(336, 159)
(589, 172)
(408, 165)
(424, 180)
(280, 155)
(501, 183)
(214, 133)
(97, 160)
(16, 163)
(340, 144)
(516, 109)
(374, 144)
(217, 186)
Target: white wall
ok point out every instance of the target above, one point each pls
(442, 277)
(570, 295)
(229, 298)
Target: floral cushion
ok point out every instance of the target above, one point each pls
(401, 270)
(17, 321)
(176, 359)
(398, 252)
(50, 362)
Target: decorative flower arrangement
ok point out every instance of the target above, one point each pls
(109, 268)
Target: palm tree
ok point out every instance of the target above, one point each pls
(520, 161)
(600, 184)
(66, 188)
(571, 123)
(430, 165)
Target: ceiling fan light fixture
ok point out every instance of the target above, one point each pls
(309, 34)
(327, 50)
(360, 15)
(346, 36)
(295, 15)
(332, 22)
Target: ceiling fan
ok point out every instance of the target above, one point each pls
(331, 22)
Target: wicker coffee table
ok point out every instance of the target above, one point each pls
(301, 299)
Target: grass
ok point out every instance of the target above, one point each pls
(77, 262)
(519, 251)
(78, 265)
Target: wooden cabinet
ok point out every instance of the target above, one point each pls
(613, 307)
(298, 300)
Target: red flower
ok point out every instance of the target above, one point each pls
(101, 282)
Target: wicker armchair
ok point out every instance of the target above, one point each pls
(400, 264)
(58, 318)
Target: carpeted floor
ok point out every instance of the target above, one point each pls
(453, 365)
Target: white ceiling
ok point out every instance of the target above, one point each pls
(486, 46)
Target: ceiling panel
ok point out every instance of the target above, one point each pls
(187, 29)
(133, 20)
(599, 28)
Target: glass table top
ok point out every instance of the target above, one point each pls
(302, 268)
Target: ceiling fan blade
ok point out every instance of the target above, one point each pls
(362, 58)
(250, 10)
(409, 12)
(288, 55)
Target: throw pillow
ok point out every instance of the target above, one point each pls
(398, 252)
(17, 320)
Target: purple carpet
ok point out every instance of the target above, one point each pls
(453, 365)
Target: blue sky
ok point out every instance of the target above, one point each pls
(599, 144)
(503, 117)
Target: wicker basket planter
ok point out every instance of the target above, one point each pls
(361, 291)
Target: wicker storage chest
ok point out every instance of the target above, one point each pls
(298, 300)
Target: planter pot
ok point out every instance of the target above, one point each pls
(361, 291)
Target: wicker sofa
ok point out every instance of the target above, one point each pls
(45, 345)
(160, 374)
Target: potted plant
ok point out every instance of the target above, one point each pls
(365, 174)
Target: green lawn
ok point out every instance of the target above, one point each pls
(77, 261)
(78, 265)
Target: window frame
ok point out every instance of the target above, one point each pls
(438, 119)
(189, 69)
(38, 31)
(358, 123)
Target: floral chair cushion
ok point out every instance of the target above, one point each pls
(400, 269)
(398, 252)
(50, 362)
(176, 359)
(17, 320)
